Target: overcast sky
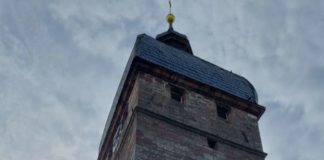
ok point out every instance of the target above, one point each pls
(61, 62)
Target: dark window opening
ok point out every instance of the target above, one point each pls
(245, 137)
(177, 93)
(223, 112)
(212, 143)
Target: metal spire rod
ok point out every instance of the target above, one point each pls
(170, 6)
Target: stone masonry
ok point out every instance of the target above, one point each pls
(159, 128)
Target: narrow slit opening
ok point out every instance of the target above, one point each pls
(212, 143)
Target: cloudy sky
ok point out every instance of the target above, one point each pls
(61, 62)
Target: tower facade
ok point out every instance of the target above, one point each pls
(172, 105)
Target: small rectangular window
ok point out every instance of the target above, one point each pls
(176, 93)
(246, 139)
(212, 143)
(223, 112)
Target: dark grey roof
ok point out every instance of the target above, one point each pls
(193, 67)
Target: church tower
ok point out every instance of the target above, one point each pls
(173, 105)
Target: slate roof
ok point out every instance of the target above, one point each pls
(193, 67)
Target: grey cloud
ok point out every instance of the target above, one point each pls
(61, 62)
(291, 129)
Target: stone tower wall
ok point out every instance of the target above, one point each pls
(198, 112)
(159, 127)
(160, 140)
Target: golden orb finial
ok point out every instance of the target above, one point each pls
(170, 18)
